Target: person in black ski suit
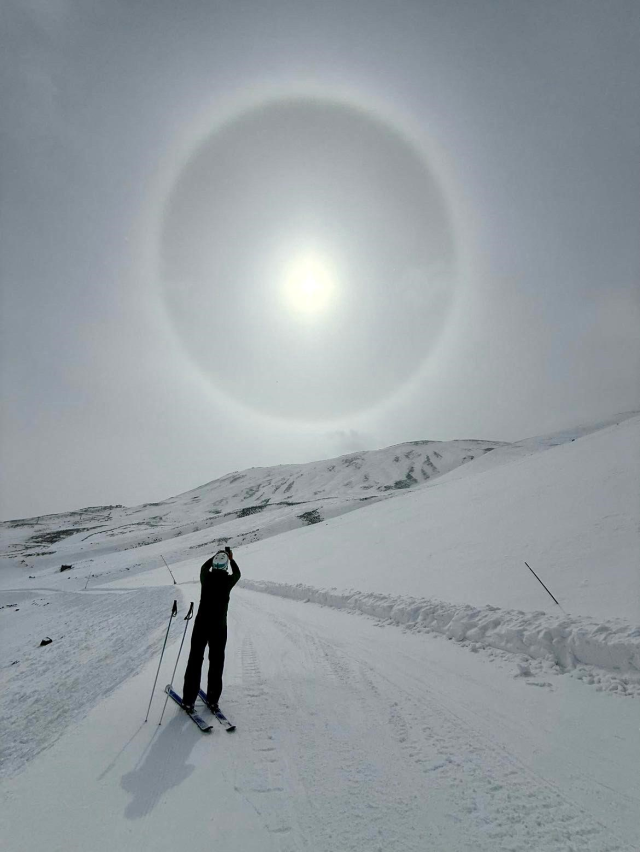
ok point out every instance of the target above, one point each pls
(210, 627)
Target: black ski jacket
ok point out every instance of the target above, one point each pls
(216, 588)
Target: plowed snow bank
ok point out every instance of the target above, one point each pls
(569, 641)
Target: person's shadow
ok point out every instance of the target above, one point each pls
(162, 767)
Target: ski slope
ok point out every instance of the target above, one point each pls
(437, 699)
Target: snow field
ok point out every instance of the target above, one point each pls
(99, 640)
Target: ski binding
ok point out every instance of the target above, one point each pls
(200, 722)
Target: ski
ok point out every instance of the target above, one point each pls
(226, 724)
(200, 722)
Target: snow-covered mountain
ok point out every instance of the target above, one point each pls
(247, 506)
(225, 510)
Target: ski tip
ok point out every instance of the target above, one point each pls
(231, 729)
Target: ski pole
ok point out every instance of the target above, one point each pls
(187, 618)
(168, 569)
(541, 583)
(174, 612)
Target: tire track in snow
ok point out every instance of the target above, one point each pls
(410, 754)
(264, 783)
(506, 803)
(347, 797)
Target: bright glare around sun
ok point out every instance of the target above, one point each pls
(309, 285)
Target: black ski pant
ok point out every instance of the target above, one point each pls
(215, 636)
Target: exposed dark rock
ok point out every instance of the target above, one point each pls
(249, 510)
(56, 535)
(311, 517)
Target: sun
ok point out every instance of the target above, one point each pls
(309, 285)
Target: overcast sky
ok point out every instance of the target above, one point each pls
(254, 233)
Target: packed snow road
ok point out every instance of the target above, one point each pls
(351, 736)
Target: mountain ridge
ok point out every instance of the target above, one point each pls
(325, 488)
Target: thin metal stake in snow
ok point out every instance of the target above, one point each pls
(541, 583)
(187, 618)
(174, 612)
(168, 569)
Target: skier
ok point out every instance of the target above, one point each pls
(210, 628)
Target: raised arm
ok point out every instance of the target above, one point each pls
(235, 570)
(205, 569)
(235, 573)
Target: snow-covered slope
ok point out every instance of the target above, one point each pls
(538, 443)
(241, 506)
(570, 511)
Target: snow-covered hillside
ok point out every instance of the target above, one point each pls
(241, 506)
(462, 710)
(569, 509)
